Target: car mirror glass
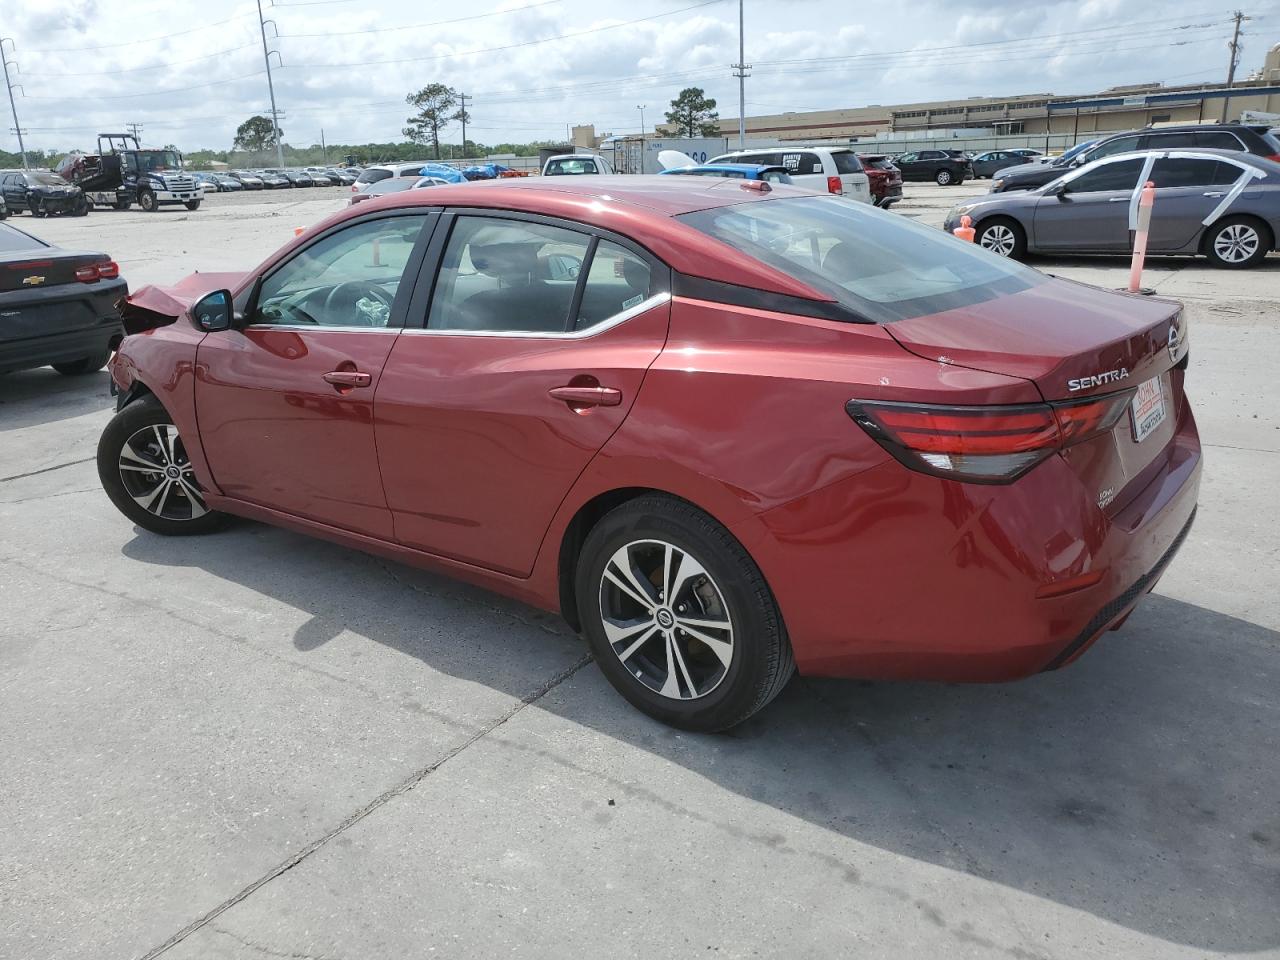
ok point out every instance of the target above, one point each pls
(214, 311)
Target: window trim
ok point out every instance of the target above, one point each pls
(399, 307)
(419, 307)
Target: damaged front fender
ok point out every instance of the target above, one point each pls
(156, 306)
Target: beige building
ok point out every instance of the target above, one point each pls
(1119, 108)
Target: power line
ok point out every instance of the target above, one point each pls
(417, 26)
(129, 43)
(156, 93)
(154, 66)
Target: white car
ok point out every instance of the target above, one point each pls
(576, 164)
(382, 171)
(825, 169)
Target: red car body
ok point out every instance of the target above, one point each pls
(885, 179)
(455, 458)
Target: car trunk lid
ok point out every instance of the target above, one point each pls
(41, 268)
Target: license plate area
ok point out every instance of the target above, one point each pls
(1147, 410)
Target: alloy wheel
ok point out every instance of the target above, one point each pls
(666, 619)
(1236, 243)
(157, 474)
(999, 239)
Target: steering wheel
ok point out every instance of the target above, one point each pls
(353, 290)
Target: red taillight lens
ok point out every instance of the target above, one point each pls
(93, 272)
(109, 270)
(835, 185)
(87, 274)
(994, 444)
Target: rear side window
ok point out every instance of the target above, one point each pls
(1192, 172)
(1218, 140)
(373, 176)
(617, 281)
(800, 163)
(846, 161)
(882, 268)
(1170, 141)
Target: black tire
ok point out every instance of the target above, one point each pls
(78, 368)
(944, 178)
(192, 204)
(83, 206)
(728, 586)
(138, 419)
(988, 235)
(147, 201)
(37, 209)
(123, 204)
(1228, 242)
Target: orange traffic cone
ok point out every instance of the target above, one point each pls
(965, 231)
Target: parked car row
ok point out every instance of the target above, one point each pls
(275, 178)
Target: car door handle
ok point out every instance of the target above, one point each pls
(348, 378)
(1215, 194)
(587, 396)
(1118, 200)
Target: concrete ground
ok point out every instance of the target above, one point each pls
(255, 745)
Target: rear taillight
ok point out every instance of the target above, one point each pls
(93, 272)
(835, 185)
(994, 444)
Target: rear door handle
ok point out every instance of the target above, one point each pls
(348, 378)
(1217, 194)
(1118, 200)
(587, 396)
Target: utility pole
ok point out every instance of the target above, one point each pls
(740, 71)
(266, 58)
(1239, 18)
(324, 152)
(135, 130)
(462, 115)
(17, 127)
(640, 107)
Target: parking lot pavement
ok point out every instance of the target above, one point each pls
(256, 745)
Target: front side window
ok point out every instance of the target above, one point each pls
(1111, 147)
(511, 276)
(882, 268)
(1121, 175)
(1170, 141)
(347, 279)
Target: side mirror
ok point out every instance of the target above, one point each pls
(214, 311)
(1058, 189)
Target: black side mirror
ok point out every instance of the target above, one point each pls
(215, 311)
(1058, 190)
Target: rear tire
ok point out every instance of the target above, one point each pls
(123, 204)
(83, 207)
(1003, 237)
(1237, 243)
(703, 652)
(944, 178)
(78, 368)
(166, 500)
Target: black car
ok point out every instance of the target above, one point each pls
(42, 192)
(57, 307)
(1246, 138)
(943, 167)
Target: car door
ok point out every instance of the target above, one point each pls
(491, 408)
(1092, 213)
(285, 403)
(1188, 189)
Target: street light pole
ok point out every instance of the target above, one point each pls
(640, 107)
(740, 71)
(17, 127)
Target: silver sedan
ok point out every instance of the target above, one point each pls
(1219, 203)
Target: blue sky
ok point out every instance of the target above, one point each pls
(191, 72)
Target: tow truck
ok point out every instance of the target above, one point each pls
(121, 174)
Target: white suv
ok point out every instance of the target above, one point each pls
(826, 169)
(384, 171)
(575, 164)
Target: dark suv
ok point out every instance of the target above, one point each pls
(42, 192)
(943, 167)
(1216, 136)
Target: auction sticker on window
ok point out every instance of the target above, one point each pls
(1147, 409)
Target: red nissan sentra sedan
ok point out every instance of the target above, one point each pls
(727, 431)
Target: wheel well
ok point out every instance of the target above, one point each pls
(137, 390)
(1267, 233)
(575, 535)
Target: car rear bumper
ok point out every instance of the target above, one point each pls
(58, 325)
(892, 574)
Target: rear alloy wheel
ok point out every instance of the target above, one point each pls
(144, 468)
(1002, 237)
(678, 616)
(944, 178)
(1236, 243)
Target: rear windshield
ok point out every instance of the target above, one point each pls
(12, 240)
(846, 162)
(373, 176)
(882, 267)
(876, 163)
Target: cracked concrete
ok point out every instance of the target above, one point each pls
(255, 745)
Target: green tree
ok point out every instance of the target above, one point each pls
(255, 135)
(433, 106)
(693, 113)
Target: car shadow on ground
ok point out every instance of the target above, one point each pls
(29, 398)
(1139, 785)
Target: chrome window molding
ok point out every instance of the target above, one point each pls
(655, 300)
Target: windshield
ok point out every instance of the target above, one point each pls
(883, 268)
(1075, 151)
(159, 160)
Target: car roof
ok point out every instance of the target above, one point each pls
(1235, 156)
